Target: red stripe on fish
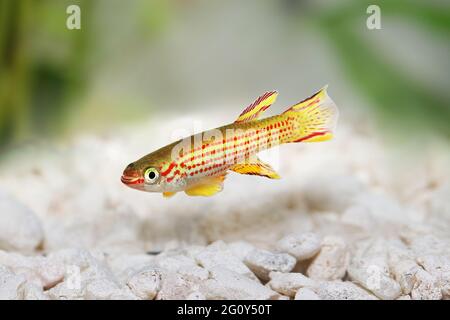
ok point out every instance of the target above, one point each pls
(167, 171)
(312, 135)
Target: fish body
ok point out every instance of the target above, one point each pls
(198, 164)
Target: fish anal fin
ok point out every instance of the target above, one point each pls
(258, 168)
(253, 111)
(206, 188)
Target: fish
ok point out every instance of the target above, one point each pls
(198, 165)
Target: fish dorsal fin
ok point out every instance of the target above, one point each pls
(253, 111)
(207, 187)
(257, 168)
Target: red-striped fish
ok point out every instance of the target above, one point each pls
(198, 164)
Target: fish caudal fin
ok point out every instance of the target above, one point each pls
(315, 118)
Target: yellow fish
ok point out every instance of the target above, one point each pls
(198, 164)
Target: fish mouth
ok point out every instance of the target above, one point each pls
(131, 180)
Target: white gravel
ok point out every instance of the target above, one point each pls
(345, 222)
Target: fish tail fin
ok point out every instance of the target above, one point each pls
(315, 118)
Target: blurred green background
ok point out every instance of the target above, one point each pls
(135, 59)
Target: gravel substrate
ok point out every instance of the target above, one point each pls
(351, 219)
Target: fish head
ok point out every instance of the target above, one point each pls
(149, 173)
(143, 176)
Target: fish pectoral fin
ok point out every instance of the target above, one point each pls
(258, 168)
(206, 188)
(168, 194)
(253, 111)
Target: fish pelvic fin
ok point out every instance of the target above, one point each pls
(207, 187)
(315, 118)
(258, 168)
(257, 108)
(168, 194)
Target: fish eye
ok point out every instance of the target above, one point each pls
(151, 175)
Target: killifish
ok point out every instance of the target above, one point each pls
(198, 164)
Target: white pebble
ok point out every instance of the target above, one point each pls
(439, 267)
(229, 285)
(145, 283)
(196, 295)
(262, 262)
(218, 254)
(20, 228)
(306, 294)
(101, 289)
(405, 274)
(289, 283)
(11, 285)
(402, 265)
(43, 271)
(87, 276)
(302, 245)
(184, 266)
(176, 287)
(240, 249)
(331, 262)
(426, 287)
(32, 291)
(339, 290)
(369, 267)
(125, 265)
